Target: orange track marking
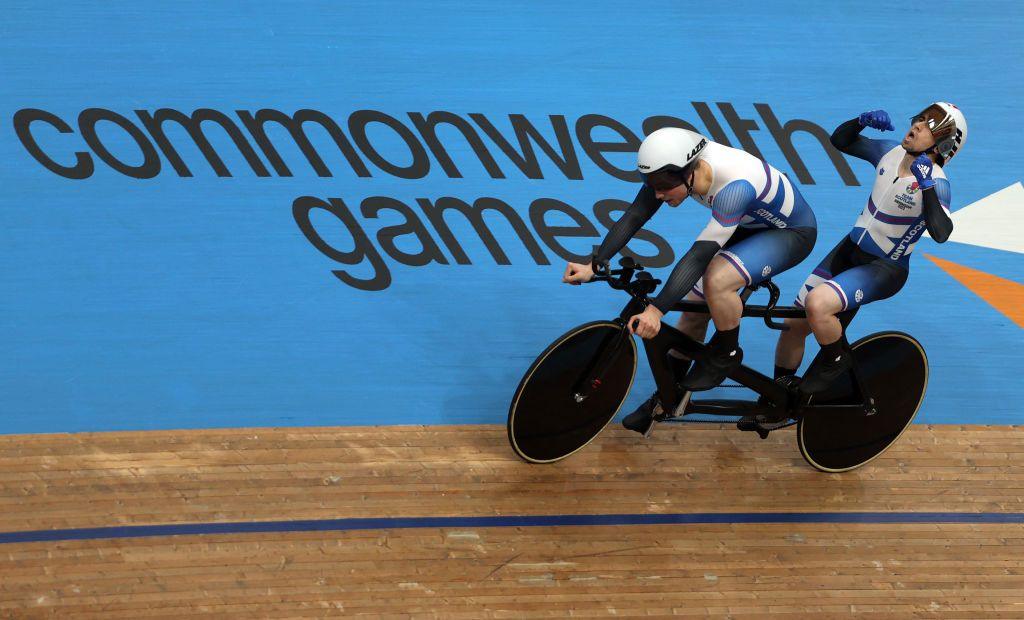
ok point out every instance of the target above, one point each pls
(1004, 295)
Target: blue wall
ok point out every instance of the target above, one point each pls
(179, 302)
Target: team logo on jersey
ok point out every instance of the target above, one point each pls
(881, 171)
(776, 220)
(859, 295)
(905, 201)
(767, 270)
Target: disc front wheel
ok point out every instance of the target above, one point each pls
(559, 407)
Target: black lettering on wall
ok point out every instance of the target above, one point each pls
(742, 128)
(255, 125)
(381, 278)
(193, 125)
(371, 208)
(87, 120)
(630, 143)
(428, 129)
(474, 214)
(526, 134)
(603, 209)
(709, 120)
(784, 137)
(548, 233)
(654, 123)
(23, 120)
(420, 165)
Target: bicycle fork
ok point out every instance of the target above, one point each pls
(590, 380)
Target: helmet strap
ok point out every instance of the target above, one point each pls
(688, 181)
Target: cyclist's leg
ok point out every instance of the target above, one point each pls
(697, 322)
(844, 293)
(789, 351)
(725, 282)
(849, 290)
(750, 261)
(694, 324)
(823, 304)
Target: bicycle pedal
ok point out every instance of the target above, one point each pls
(680, 409)
(657, 415)
(650, 428)
(761, 426)
(746, 423)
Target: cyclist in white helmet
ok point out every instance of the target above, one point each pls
(760, 226)
(910, 195)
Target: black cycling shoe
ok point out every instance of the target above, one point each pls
(712, 369)
(766, 421)
(820, 376)
(642, 418)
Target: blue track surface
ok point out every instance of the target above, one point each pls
(189, 302)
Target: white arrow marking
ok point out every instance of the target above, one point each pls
(992, 222)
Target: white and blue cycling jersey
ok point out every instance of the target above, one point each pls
(893, 220)
(749, 193)
(759, 223)
(746, 196)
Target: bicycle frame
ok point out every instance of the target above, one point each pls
(780, 402)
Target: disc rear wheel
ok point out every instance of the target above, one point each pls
(894, 370)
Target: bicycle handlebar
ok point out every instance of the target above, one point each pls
(645, 283)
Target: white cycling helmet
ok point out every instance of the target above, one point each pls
(948, 127)
(667, 157)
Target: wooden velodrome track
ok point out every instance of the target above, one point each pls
(867, 543)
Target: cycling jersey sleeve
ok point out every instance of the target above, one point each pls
(729, 206)
(644, 206)
(847, 139)
(936, 211)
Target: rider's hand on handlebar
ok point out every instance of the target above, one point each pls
(647, 324)
(576, 273)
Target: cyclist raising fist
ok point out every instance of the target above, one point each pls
(910, 195)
